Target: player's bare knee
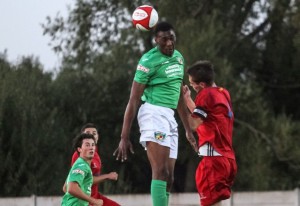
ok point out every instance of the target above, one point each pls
(161, 173)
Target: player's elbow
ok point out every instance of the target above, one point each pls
(193, 127)
(71, 191)
(195, 123)
(72, 188)
(64, 189)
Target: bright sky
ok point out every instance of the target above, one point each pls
(21, 33)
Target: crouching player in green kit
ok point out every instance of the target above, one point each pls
(80, 178)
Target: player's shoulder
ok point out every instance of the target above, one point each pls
(75, 155)
(225, 92)
(209, 91)
(222, 90)
(149, 59)
(177, 53)
(179, 58)
(81, 163)
(74, 158)
(216, 93)
(150, 55)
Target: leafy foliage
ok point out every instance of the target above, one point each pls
(253, 44)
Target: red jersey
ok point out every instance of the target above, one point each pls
(96, 170)
(213, 105)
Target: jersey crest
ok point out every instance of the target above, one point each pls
(180, 60)
(159, 135)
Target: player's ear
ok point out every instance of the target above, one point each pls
(78, 149)
(153, 41)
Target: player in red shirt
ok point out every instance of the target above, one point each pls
(96, 168)
(212, 118)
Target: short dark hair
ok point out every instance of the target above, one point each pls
(202, 71)
(162, 26)
(88, 125)
(77, 142)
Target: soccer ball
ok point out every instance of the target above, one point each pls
(144, 18)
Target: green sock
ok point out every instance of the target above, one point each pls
(168, 195)
(158, 192)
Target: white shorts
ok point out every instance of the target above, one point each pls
(157, 124)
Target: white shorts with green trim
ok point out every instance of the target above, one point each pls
(157, 124)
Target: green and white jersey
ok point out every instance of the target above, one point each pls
(82, 174)
(163, 77)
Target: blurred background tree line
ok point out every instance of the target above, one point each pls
(254, 45)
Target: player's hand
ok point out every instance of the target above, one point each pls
(96, 202)
(190, 137)
(186, 92)
(121, 151)
(113, 176)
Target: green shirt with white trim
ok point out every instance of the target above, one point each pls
(163, 77)
(82, 174)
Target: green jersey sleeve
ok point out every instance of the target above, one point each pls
(78, 173)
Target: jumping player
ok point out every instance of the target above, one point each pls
(158, 83)
(212, 118)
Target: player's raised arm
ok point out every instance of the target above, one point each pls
(187, 98)
(184, 116)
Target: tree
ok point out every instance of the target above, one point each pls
(25, 143)
(253, 44)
